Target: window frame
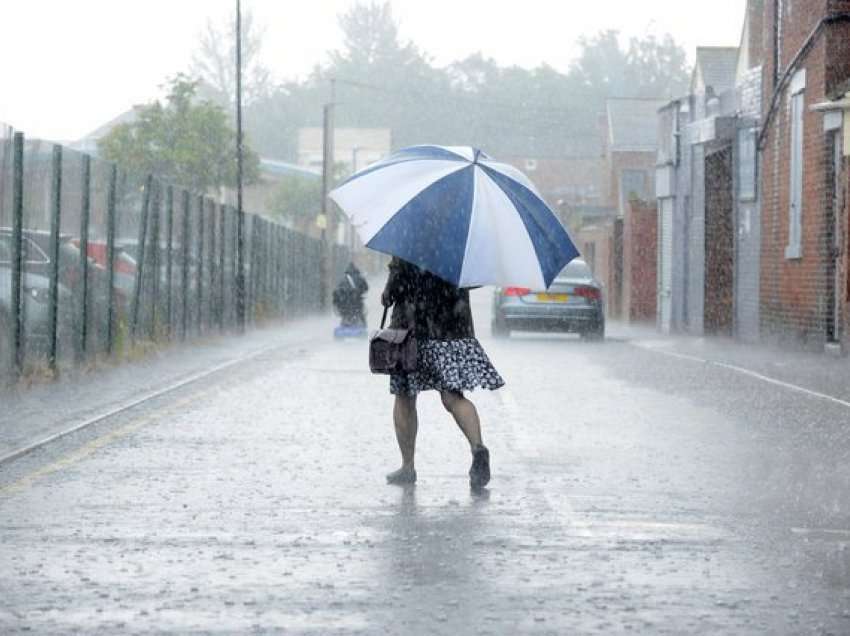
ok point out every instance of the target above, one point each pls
(796, 166)
(748, 182)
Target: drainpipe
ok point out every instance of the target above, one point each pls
(794, 65)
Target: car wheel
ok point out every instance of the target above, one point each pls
(499, 329)
(597, 334)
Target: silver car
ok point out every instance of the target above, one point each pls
(573, 303)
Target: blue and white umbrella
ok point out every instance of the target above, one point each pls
(458, 214)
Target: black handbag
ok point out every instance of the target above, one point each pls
(392, 350)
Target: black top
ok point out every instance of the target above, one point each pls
(435, 309)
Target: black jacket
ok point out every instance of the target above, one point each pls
(435, 309)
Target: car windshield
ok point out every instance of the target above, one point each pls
(576, 269)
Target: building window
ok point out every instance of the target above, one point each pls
(632, 186)
(795, 208)
(747, 162)
(530, 165)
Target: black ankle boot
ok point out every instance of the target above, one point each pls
(479, 472)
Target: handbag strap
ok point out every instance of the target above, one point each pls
(384, 319)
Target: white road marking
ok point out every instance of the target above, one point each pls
(747, 372)
(826, 531)
(562, 508)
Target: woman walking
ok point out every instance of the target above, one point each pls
(450, 360)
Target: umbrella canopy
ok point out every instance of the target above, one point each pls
(458, 214)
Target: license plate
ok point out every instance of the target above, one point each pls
(553, 298)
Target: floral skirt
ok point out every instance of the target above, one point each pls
(448, 365)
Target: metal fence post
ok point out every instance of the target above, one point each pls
(200, 277)
(235, 264)
(278, 268)
(110, 257)
(184, 277)
(17, 322)
(169, 267)
(140, 251)
(254, 269)
(222, 264)
(85, 213)
(156, 204)
(259, 246)
(285, 275)
(212, 316)
(55, 211)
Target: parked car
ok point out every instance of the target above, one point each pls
(36, 248)
(125, 270)
(130, 247)
(573, 303)
(35, 295)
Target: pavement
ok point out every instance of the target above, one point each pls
(633, 491)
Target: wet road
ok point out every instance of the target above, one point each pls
(633, 491)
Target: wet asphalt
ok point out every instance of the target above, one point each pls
(632, 492)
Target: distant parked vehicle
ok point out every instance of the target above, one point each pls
(124, 270)
(35, 295)
(36, 247)
(573, 303)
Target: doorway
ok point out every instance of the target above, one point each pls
(719, 244)
(833, 224)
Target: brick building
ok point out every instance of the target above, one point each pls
(630, 145)
(708, 200)
(569, 184)
(640, 240)
(803, 289)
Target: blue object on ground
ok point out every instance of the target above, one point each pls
(350, 332)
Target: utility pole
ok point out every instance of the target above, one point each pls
(328, 218)
(240, 213)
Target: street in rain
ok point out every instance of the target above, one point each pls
(395, 317)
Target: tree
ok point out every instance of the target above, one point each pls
(659, 67)
(384, 81)
(371, 39)
(648, 68)
(184, 140)
(296, 199)
(602, 66)
(214, 63)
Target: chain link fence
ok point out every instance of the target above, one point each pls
(96, 262)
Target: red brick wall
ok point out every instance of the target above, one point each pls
(838, 60)
(640, 254)
(844, 275)
(794, 291)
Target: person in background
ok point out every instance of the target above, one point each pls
(348, 297)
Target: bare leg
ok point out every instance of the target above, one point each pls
(467, 420)
(406, 426)
(465, 415)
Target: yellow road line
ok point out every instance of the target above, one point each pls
(96, 444)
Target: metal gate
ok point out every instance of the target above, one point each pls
(665, 266)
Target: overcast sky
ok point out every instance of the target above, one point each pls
(67, 66)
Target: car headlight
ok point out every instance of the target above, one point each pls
(39, 294)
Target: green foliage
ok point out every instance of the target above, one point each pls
(296, 199)
(648, 68)
(213, 63)
(383, 81)
(183, 140)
